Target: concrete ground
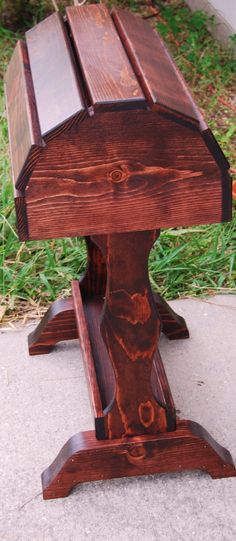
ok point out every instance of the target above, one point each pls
(224, 13)
(44, 401)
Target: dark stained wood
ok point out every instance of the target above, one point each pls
(125, 152)
(160, 175)
(93, 307)
(23, 125)
(108, 75)
(57, 325)
(21, 215)
(173, 325)
(153, 65)
(130, 328)
(58, 96)
(95, 277)
(84, 458)
(227, 197)
(215, 149)
(87, 353)
(161, 390)
(105, 374)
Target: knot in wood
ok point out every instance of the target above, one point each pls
(117, 175)
(137, 452)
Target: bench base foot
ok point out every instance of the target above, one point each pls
(59, 324)
(84, 458)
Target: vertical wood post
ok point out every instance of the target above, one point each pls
(130, 328)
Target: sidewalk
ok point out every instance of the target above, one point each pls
(44, 401)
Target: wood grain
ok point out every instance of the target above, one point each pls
(105, 373)
(93, 282)
(58, 324)
(153, 65)
(108, 75)
(86, 350)
(113, 176)
(83, 458)
(21, 215)
(172, 325)
(23, 125)
(130, 328)
(58, 96)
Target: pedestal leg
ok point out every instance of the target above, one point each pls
(141, 434)
(130, 328)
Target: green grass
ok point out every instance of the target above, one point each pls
(193, 261)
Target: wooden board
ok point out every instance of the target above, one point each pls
(153, 65)
(87, 353)
(58, 96)
(114, 177)
(84, 458)
(23, 125)
(108, 75)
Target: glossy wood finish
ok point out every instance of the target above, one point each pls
(57, 325)
(23, 125)
(21, 215)
(75, 123)
(84, 458)
(108, 76)
(108, 143)
(173, 325)
(58, 96)
(136, 184)
(89, 366)
(101, 374)
(94, 280)
(157, 72)
(130, 328)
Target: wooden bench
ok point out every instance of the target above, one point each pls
(107, 143)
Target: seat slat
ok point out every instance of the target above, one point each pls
(23, 125)
(108, 75)
(57, 91)
(154, 67)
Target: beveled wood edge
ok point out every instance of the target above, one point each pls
(28, 167)
(160, 107)
(173, 325)
(101, 106)
(215, 149)
(21, 216)
(58, 324)
(189, 447)
(37, 142)
(227, 197)
(81, 114)
(168, 402)
(194, 123)
(89, 367)
(127, 105)
(61, 22)
(66, 125)
(35, 151)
